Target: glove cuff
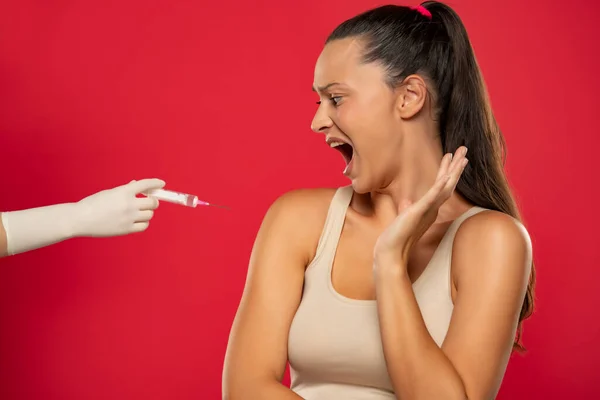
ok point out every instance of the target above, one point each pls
(38, 227)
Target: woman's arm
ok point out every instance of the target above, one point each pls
(256, 355)
(491, 264)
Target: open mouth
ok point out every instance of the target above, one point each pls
(346, 150)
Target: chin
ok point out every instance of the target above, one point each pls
(361, 186)
(367, 183)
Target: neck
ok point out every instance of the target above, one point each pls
(415, 176)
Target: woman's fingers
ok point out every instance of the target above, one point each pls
(433, 194)
(449, 173)
(458, 160)
(444, 165)
(456, 169)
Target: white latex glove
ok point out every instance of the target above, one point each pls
(111, 212)
(117, 211)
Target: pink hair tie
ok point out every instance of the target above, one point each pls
(422, 10)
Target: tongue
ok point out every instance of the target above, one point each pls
(348, 167)
(348, 153)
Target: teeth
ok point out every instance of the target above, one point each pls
(336, 144)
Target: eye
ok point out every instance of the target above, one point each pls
(336, 99)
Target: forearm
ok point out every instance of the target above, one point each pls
(259, 390)
(34, 228)
(3, 247)
(418, 368)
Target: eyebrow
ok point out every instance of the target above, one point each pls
(323, 88)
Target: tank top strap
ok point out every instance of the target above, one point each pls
(439, 266)
(448, 240)
(334, 224)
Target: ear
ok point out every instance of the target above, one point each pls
(412, 95)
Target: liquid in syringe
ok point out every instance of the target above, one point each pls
(184, 199)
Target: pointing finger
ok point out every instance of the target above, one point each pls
(145, 185)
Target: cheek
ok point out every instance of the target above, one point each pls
(370, 127)
(361, 121)
(378, 152)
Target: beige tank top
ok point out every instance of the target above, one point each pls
(334, 344)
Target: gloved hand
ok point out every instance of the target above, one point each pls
(111, 212)
(116, 211)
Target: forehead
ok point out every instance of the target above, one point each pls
(340, 61)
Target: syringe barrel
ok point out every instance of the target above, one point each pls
(184, 199)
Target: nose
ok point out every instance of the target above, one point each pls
(321, 121)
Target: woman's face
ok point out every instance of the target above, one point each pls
(357, 108)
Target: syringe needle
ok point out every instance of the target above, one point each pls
(206, 203)
(218, 206)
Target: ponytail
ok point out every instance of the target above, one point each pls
(466, 118)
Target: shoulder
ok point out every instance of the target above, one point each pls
(492, 243)
(298, 216)
(493, 227)
(302, 205)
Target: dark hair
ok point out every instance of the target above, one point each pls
(433, 42)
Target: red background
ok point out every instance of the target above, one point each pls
(214, 98)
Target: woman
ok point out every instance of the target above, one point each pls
(112, 212)
(413, 281)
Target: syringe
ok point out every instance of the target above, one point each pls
(184, 199)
